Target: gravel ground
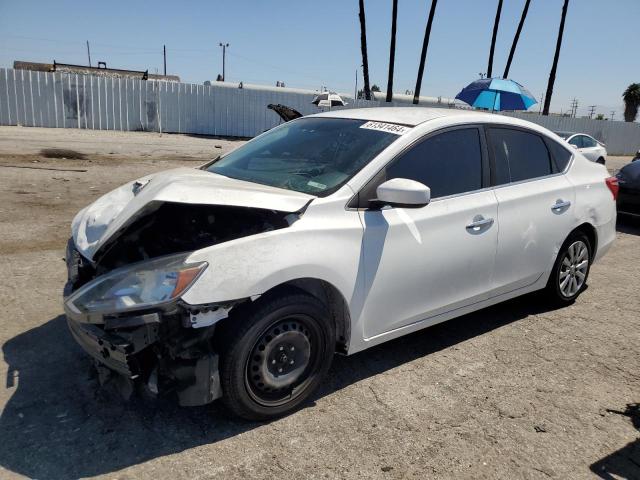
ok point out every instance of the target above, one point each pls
(513, 391)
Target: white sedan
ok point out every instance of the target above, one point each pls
(587, 145)
(331, 233)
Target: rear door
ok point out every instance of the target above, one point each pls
(535, 206)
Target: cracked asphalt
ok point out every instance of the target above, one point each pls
(513, 391)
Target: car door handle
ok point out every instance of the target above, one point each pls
(478, 223)
(560, 204)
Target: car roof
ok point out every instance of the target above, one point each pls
(413, 116)
(410, 116)
(565, 134)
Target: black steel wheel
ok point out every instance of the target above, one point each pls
(275, 357)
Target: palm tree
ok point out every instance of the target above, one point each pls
(392, 50)
(363, 47)
(552, 74)
(493, 39)
(516, 38)
(631, 97)
(423, 55)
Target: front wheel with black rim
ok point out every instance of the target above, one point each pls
(571, 269)
(275, 356)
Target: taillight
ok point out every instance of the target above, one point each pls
(612, 183)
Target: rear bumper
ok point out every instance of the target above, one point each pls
(606, 234)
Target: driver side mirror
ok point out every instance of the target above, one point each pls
(403, 193)
(574, 146)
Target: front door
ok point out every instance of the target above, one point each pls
(420, 262)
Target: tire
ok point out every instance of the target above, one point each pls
(600, 161)
(569, 276)
(275, 357)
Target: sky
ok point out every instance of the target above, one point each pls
(313, 44)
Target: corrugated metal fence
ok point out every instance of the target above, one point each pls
(621, 138)
(42, 99)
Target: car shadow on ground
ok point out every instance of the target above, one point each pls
(59, 424)
(623, 463)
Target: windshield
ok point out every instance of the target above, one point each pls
(310, 155)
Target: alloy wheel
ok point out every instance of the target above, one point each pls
(573, 269)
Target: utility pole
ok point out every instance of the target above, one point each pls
(164, 54)
(88, 53)
(592, 109)
(574, 107)
(355, 90)
(613, 113)
(224, 53)
(541, 102)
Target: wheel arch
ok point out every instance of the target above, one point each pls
(592, 235)
(322, 290)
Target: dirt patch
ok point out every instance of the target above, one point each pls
(62, 153)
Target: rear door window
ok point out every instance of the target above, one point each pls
(518, 155)
(448, 163)
(588, 142)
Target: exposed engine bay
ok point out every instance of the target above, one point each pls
(169, 227)
(166, 349)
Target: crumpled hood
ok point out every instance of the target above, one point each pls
(95, 224)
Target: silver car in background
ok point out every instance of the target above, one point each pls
(588, 146)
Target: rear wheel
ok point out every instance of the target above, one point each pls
(571, 269)
(276, 357)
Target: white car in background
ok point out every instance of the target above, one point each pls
(330, 233)
(586, 145)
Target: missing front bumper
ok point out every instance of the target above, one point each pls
(139, 357)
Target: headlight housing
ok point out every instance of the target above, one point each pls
(141, 285)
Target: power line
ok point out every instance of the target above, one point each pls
(592, 109)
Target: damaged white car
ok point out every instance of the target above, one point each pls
(330, 233)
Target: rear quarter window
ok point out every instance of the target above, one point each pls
(560, 155)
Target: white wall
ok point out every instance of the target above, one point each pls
(61, 100)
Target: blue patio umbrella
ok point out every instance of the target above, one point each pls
(496, 94)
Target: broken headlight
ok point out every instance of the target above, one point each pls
(137, 286)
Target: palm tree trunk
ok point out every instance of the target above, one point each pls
(630, 111)
(363, 47)
(516, 38)
(554, 67)
(493, 39)
(392, 50)
(423, 55)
